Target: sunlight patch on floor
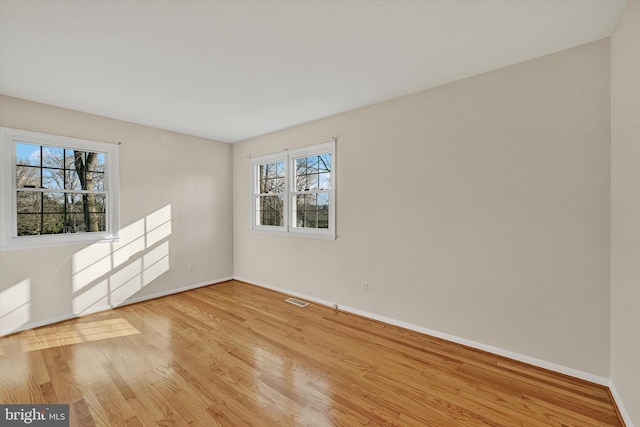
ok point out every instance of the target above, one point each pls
(77, 333)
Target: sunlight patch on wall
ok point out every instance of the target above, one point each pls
(155, 263)
(158, 225)
(107, 274)
(126, 281)
(89, 264)
(96, 295)
(131, 242)
(15, 305)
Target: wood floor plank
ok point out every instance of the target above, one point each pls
(234, 354)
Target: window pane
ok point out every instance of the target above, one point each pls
(90, 204)
(312, 182)
(53, 179)
(265, 186)
(309, 201)
(306, 211)
(272, 178)
(72, 181)
(324, 163)
(300, 211)
(323, 219)
(86, 213)
(52, 223)
(323, 210)
(301, 166)
(301, 182)
(97, 203)
(85, 164)
(269, 170)
(100, 219)
(323, 200)
(75, 203)
(310, 219)
(95, 162)
(307, 165)
(27, 177)
(271, 210)
(27, 154)
(53, 157)
(93, 180)
(272, 185)
(29, 224)
(273, 170)
(28, 202)
(69, 159)
(313, 172)
(312, 164)
(312, 210)
(53, 202)
(324, 181)
(75, 223)
(74, 156)
(98, 181)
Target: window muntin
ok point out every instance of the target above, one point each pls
(56, 190)
(294, 192)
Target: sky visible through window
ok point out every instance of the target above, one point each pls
(31, 153)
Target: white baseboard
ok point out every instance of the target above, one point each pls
(477, 345)
(623, 410)
(57, 319)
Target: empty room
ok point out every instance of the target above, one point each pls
(320, 213)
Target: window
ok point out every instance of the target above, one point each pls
(294, 192)
(271, 194)
(56, 190)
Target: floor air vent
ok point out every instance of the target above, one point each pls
(297, 302)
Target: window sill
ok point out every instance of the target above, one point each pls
(312, 235)
(37, 242)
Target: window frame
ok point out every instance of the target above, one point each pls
(9, 240)
(289, 157)
(256, 194)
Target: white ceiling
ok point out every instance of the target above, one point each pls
(231, 70)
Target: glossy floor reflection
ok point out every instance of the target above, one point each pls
(236, 355)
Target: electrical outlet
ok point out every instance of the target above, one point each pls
(190, 268)
(365, 288)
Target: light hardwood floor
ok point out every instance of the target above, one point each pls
(233, 354)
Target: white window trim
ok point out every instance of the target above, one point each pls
(288, 157)
(8, 222)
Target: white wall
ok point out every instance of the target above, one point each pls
(176, 210)
(478, 209)
(625, 210)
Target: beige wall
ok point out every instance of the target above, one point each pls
(176, 210)
(478, 209)
(625, 210)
